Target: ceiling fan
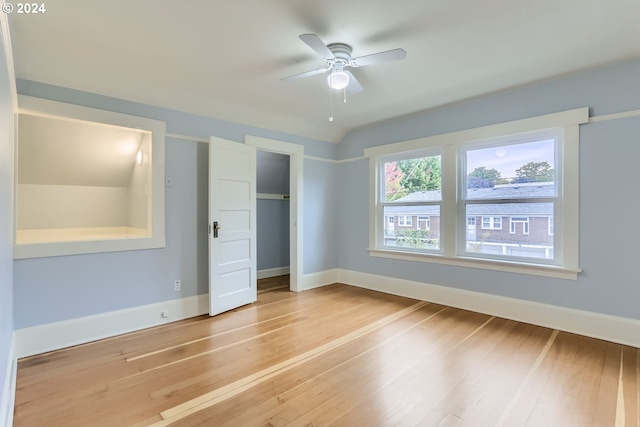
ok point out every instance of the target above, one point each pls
(338, 58)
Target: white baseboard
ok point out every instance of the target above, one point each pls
(319, 279)
(9, 387)
(610, 328)
(272, 272)
(54, 336)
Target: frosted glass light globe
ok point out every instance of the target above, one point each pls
(338, 80)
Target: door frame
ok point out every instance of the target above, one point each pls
(296, 161)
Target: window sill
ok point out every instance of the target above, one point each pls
(78, 241)
(485, 264)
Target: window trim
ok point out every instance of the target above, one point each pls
(426, 219)
(524, 222)
(566, 237)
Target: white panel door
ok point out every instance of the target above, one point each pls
(232, 225)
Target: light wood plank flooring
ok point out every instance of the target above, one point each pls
(334, 356)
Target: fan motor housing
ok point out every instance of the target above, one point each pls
(341, 51)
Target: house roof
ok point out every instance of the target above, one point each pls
(503, 209)
(501, 192)
(511, 191)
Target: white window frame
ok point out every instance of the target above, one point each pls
(426, 219)
(524, 221)
(405, 221)
(452, 217)
(381, 197)
(495, 223)
(550, 226)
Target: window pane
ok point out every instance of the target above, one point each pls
(413, 180)
(512, 171)
(416, 227)
(526, 236)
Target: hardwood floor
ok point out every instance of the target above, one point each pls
(334, 356)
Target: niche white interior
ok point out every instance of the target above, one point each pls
(87, 180)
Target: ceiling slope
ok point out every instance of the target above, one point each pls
(224, 59)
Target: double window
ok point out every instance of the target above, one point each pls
(491, 222)
(404, 220)
(487, 198)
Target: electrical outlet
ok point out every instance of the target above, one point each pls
(177, 286)
(168, 181)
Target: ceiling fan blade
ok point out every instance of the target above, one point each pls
(314, 42)
(354, 85)
(305, 74)
(376, 58)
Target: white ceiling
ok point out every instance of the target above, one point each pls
(223, 58)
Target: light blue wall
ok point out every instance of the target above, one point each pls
(272, 172)
(273, 233)
(59, 288)
(6, 220)
(272, 215)
(609, 204)
(321, 215)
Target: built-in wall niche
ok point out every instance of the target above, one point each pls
(87, 180)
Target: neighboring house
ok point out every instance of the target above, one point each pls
(517, 229)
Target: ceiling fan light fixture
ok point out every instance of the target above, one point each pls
(338, 80)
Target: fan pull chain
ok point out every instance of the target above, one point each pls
(330, 105)
(345, 95)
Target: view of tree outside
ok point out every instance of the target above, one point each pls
(486, 168)
(481, 177)
(404, 177)
(511, 164)
(535, 172)
(514, 171)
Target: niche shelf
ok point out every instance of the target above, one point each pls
(87, 180)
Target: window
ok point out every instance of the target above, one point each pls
(411, 187)
(491, 223)
(404, 220)
(391, 220)
(515, 172)
(424, 223)
(524, 221)
(511, 177)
